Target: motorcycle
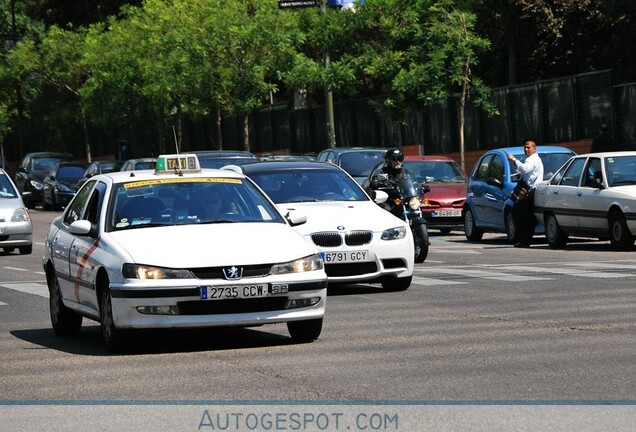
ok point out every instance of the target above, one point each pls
(405, 198)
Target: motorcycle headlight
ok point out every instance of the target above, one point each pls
(415, 203)
(394, 233)
(310, 263)
(138, 271)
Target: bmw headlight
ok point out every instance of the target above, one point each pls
(394, 233)
(415, 203)
(138, 271)
(20, 215)
(310, 263)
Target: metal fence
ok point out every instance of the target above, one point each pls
(549, 112)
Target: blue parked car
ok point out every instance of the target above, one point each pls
(488, 206)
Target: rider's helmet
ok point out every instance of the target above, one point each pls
(394, 154)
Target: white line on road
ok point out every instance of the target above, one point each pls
(29, 288)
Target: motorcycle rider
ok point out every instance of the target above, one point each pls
(392, 169)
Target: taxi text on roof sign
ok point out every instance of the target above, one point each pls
(180, 162)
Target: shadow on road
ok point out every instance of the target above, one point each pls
(89, 342)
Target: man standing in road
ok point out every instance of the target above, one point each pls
(531, 171)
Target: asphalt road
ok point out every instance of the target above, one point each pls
(481, 322)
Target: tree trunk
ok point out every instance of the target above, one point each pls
(246, 132)
(219, 127)
(87, 143)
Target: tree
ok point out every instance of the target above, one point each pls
(455, 50)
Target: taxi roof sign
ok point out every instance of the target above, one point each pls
(177, 163)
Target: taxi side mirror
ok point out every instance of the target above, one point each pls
(81, 227)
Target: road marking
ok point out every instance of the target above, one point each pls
(16, 269)
(568, 271)
(455, 250)
(29, 288)
(483, 274)
(3, 303)
(430, 281)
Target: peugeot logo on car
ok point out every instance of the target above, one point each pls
(233, 272)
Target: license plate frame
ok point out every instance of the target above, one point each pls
(446, 213)
(233, 292)
(344, 257)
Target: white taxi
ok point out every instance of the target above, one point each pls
(180, 247)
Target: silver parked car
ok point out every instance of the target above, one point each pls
(16, 230)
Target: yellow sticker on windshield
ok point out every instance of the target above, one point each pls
(144, 183)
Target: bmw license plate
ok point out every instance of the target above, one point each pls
(233, 292)
(345, 257)
(447, 213)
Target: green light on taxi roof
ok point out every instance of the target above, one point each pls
(177, 162)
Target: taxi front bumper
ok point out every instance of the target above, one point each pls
(183, 307)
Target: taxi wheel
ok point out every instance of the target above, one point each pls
(391, 283)
(65, 322)
(620, 236)
(112, 337)
(470, 229)
(305, 331)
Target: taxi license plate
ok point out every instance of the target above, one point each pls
(233, 292)
(345, 257)
(447, 213)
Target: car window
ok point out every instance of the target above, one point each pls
(496, 168)
(436, 171)
(592, 172)
(326, 157)
(309, 185)
(359, 164)
(75, 211)
(481, 170)
(6, 188)
(44, 163)
(552, 162)
(185, 201)
(556, 179)
(572, 174)
(621, 170)
(70, 172)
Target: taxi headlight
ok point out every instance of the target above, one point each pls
(394, 233)
(310, 263)
(138, 271)
(20, 215)
(414, 203)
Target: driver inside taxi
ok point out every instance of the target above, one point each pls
(211, 203)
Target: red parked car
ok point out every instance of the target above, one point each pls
(442, 206)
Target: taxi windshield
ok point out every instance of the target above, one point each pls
(184, 201)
